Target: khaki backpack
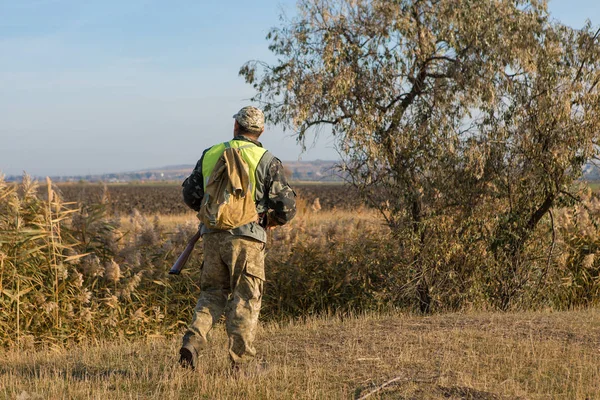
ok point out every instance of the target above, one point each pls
(228, 202)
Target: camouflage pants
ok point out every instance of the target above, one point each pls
(232, 284)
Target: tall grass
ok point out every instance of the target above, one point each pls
(37, 266)
(68, 272)
(76, 272)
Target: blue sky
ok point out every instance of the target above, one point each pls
(107, 86)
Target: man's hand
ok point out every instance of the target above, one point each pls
(267, 221)
(271, 221)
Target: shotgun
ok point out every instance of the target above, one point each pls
(182, 259)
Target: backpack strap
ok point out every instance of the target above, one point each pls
(262, 171)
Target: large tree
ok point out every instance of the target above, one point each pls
(438, 106)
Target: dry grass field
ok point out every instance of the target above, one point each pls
(388, 355)
(545, 355)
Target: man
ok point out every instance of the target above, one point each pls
(233, 270)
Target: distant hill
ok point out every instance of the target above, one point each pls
(313, 171)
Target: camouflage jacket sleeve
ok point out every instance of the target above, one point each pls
(282, 198)
(193, 188)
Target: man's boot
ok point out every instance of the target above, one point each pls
(188, 354)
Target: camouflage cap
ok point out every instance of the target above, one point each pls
(251, 118)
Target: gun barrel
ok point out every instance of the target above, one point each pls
(185, 255)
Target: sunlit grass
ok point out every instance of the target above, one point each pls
(462, 356)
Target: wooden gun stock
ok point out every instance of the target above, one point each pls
(182, 259)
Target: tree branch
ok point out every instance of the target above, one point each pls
(580, 70)
(541, 211)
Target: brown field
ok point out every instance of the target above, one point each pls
(166, 198)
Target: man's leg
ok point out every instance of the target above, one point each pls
(214, 290)
(247, 280)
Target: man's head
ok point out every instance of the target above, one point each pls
(250, 121)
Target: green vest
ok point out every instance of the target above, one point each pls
(250, 152)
